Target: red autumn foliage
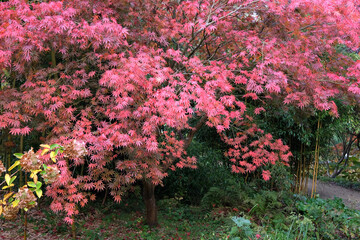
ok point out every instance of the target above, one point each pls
(133, 81)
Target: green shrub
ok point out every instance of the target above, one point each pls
(331, 218)
(232, 195)
(242, 230)
(342, 182)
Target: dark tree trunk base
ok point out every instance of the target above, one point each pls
(150, 204)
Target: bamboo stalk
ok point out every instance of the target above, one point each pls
(301, 179)
(314, 172)
(307, 174)
(316, 164)
(318, 155)
(297, 176)
(303, 185)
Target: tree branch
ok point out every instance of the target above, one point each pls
(197, 127)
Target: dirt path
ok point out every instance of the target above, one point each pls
(326, 190)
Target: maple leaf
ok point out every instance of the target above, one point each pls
(266, 175)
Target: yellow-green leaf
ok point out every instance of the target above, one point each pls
(1, 209)
(26, 209)
(44, 146)
(8, 195)
(38, 192)
(15, 203)
(18, 155)
(7, 179)
(17, 163)
(52, 156)
(12, 179)
(44, 151)
(34, 172)
(6, 72)
(5, 187)
(31, 184)
(35, 178)
(54, 146)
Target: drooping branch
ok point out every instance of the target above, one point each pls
(345, 156)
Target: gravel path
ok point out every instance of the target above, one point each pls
(326, 190)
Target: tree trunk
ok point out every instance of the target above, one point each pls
(150, 203)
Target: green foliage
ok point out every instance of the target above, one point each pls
(313, 219)
(190, 185)
(355, 185)
(300, 228)
(228, 196)
(331, 218)
(281, 179)
(264, 201)
(242, 230)
(289, 123)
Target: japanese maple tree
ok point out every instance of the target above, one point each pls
(135, 80)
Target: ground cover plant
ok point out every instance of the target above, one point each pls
(304, 218)
(122, 94)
